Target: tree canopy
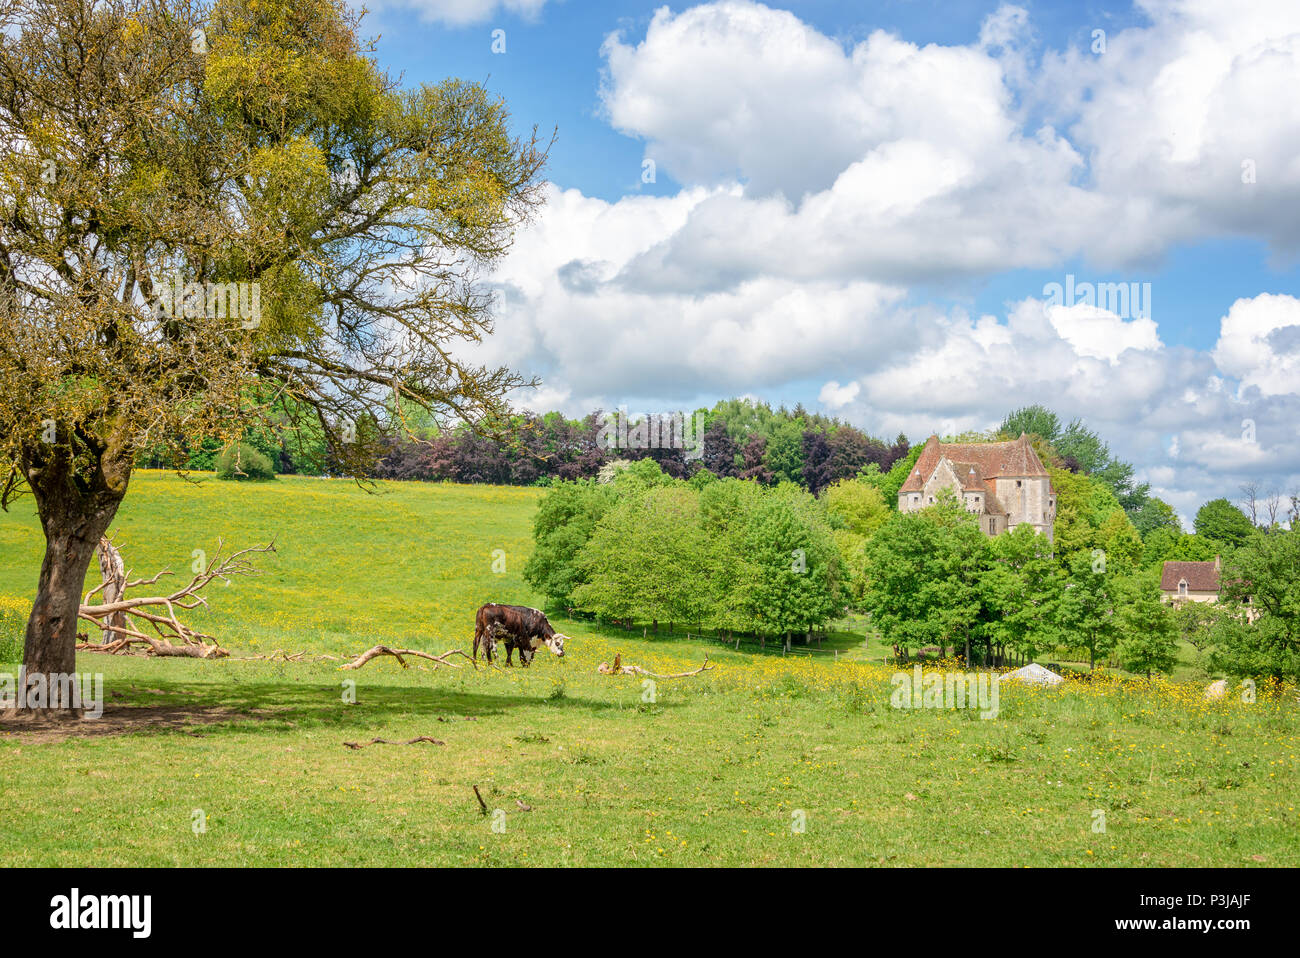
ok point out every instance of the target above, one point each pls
(213, 214)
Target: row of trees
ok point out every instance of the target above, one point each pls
(736, 438)
(932, 578)
(737, 556)
(638, 545)
(727, 554)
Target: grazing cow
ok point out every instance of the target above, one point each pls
(519, 627)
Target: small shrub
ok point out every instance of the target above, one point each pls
(242, 461)
(13, 626)
(998, 751)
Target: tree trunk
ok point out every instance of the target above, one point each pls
(76, 502)
(51, 639)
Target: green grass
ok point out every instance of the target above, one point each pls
(710, 773)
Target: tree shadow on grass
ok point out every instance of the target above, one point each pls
(201, 709)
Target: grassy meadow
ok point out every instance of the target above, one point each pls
(717, 769)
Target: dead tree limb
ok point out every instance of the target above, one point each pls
(112, 571)
(384, 741)
(124, 621)
(400, 655)
(618, 668)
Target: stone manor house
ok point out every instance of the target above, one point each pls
(1004, 483)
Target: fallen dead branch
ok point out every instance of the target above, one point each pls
(124, 621)
(284, 656)
(384, 741)
(400, 655)
(481, 804)
(618, 668)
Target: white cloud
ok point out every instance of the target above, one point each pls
(1259, 343)
(1100, 334)
(835, 396)
(925, 165)
(1170, 112)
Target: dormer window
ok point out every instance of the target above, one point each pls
(1182, 587)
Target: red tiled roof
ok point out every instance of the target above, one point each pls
(990, 460)
(1200, 576)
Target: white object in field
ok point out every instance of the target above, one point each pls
(1033, 674)
(1216, 690)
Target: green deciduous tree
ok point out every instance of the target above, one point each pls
(1086, 609)
(1021, 588)
(784, 455)
(208, 215)
(890, 482)
(924, 574)
(648, 559)
(1036, 420)
(1258, 633)
(1148, 634)
(796, 573)
(566, 519)
(1223, 523)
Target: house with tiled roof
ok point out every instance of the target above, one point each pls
(1004, 483)
(1191, 581)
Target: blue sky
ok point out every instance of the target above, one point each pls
(859, 205)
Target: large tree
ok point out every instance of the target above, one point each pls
(1257, 633)
(210, 214)
(1222, 522)
(1085, 613)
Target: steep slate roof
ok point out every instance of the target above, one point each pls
(991, 460)
(1200, 576)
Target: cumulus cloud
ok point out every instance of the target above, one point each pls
(1191, 116)
(1259, 344)
(1100, 334)
(570, 315)
(835, 396)
(1164, 408)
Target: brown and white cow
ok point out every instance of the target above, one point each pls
(518, 627)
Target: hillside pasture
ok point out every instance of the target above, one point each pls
(762, 760)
